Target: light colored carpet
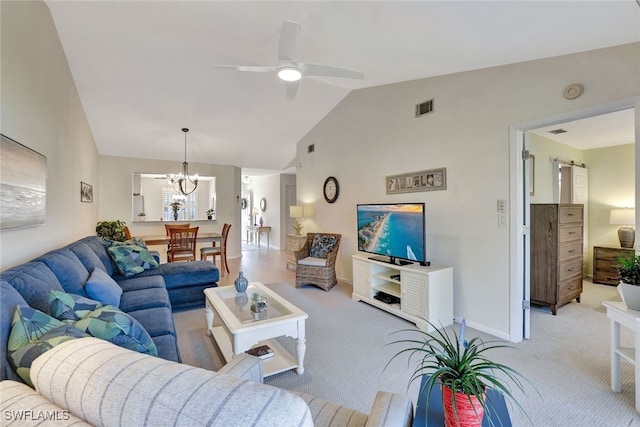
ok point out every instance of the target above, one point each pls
(567, 358)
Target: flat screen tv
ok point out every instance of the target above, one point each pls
(394, 230)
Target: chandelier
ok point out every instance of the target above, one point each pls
(182, 181)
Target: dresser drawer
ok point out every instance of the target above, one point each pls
(570, 233)
(570, 250)
(569, 289)
(570, 269)
(569, 214)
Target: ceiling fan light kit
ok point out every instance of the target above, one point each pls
(290, 70)
(289, 74)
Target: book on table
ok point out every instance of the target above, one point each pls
(263, 352)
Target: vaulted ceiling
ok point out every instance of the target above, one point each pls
(143, 69)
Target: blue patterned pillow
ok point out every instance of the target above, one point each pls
(72, 307)
(322, 245)
(111, 324)
(33, 333)
(131, 257)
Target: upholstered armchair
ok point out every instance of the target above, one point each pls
(316, 260)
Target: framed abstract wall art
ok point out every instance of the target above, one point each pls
(23, 185)
(427, 180)
(86, 192)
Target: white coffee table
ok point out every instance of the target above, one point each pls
(232, 325)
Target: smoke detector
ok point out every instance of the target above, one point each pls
(573, 91)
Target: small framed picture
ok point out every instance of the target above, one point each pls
(427, 180)
(86, 192)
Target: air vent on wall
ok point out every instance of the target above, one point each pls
(424, 108)
(557, 131)
(311, 148)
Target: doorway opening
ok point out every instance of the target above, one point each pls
(520, 199)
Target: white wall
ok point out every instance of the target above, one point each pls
(373, 133)
(116, 201)
(41, 109)
(269, 188)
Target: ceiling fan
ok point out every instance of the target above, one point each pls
(291, 71)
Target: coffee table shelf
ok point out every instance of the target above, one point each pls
(231, 325)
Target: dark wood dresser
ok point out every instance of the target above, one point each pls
(556, 253)
(605, 263)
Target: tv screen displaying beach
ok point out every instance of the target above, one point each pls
(394, 230)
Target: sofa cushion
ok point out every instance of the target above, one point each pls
(33, 333)
(112, 324)
(88, 257)
(101, 287)
(134, 389)
(18, 398)
(98, 247)
(64, 306)
(9, 300)
(131, 257)
(33, 280)
(322, 245)
(139, 281)
(144, 298)
(70, 272)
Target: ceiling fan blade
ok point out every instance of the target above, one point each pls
(254, 68)
(329, 71)
(291, 89)
(288, 37)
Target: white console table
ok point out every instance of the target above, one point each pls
(619, 314)
(425, 293)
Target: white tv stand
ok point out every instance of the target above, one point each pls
(425, 293)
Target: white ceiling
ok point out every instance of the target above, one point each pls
(143, 68)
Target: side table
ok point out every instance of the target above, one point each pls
(257, 230)
(605, 263)
(294, 243)
(434, 416)
(619, 314)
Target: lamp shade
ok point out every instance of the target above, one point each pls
(622, 217)
(296, 211)
(254, 212)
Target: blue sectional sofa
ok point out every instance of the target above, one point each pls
(149, 297)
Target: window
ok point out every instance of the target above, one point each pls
(188, 209)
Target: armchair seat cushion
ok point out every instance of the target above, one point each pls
(317, 262)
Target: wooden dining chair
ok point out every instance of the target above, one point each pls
(218, 250)
(127, 233)
(182, 244)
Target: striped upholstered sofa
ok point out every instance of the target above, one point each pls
(89, 381)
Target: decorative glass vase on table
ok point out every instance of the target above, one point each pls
(241, 283)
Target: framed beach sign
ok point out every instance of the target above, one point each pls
(426, 180)
(23, 185)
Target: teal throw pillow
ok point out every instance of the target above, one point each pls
(111, 324)
(131, 258)
(32, 334)
(101, 287)
(322, 245)
(70, 307)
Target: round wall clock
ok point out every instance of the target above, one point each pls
(331, 189)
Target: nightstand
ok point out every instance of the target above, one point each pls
(294, 243)
(605, 263)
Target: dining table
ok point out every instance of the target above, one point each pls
(162, 239)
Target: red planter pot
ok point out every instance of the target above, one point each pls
(468, 412)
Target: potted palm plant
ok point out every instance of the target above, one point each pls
(629, 287)
(462, 370)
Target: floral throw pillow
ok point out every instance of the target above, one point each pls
(111, 324)
(32, 334)
(322, 245)
(64, 306)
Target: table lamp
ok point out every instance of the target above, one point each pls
(626, 218)
(254, 212)
(296, 212)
